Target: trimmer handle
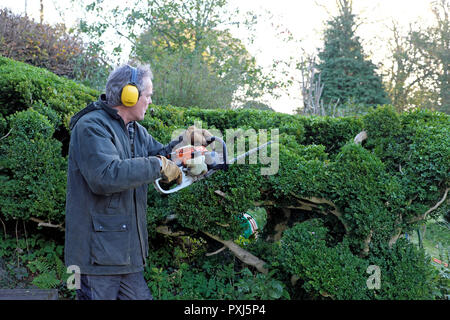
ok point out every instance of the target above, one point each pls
(187, 181)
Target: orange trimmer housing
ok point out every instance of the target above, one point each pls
(180, 155)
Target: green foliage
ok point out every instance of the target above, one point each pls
(51, 272)
(332, 272)
(34, 261)
(335, 272)
(362, 201)
(256, 105)
(330, 132)
(213, 211)
(213, 281)
(415, 148)
(32, 169)
(249, 119)
(23, 86)
(364, 195)
(261, 286)
(405, 272)
(3, 126)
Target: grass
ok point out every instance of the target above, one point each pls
(436, 241)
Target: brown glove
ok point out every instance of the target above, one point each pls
(196, 136)
(170, 171)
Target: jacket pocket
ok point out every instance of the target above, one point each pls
(110, 240)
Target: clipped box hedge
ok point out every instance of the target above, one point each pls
(357, 199)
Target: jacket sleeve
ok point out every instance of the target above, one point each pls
(156, 148)
(100, 164)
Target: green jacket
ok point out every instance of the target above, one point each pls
(106, 203)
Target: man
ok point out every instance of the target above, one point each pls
(112, 159)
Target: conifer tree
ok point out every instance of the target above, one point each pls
(347, 74)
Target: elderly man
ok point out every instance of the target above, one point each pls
(112, 159)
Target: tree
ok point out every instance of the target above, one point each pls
(347, 75)
(433, 45)
(401, 81)
(419, 75)
(256, 105)
(195, 59)
(203, 68)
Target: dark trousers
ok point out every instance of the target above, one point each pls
(130, 286)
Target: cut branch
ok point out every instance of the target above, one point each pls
(220, 193)
(166, 231)
(394, 239)
(267, 203)
(6, 135)
(4, 227)
(241, 254)
(366, 249)
(216, 252)
(360, 137)
(42, 223)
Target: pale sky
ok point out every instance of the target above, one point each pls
(303, 18)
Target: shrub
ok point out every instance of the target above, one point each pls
(38, 44)
(405, 272)
(333, 133)
(23, 86)
(51, 47)
(33, 173)
(360, 197)
(335, 272)
(327, 272)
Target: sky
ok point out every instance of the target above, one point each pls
(305, 19)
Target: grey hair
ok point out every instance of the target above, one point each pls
(119, 78)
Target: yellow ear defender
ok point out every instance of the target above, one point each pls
(130, 93)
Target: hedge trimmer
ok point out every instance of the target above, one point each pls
(197, 163)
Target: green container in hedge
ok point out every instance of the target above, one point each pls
(253, 221)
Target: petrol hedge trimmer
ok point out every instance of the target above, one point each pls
(197, 163)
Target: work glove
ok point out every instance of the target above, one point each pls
(170, 171)
(196, 137)
(196, 166)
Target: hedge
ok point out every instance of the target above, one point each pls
(334, 207)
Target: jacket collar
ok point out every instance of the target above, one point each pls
(97, 105)
(111, 111)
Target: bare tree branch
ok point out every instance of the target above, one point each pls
(423, 217)
(309, 203)
(216, 252)
(42, 223)
(241, 254)
(6, 135)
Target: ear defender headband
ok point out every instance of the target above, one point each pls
(130, 93)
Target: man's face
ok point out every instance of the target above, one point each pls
(138, 111)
